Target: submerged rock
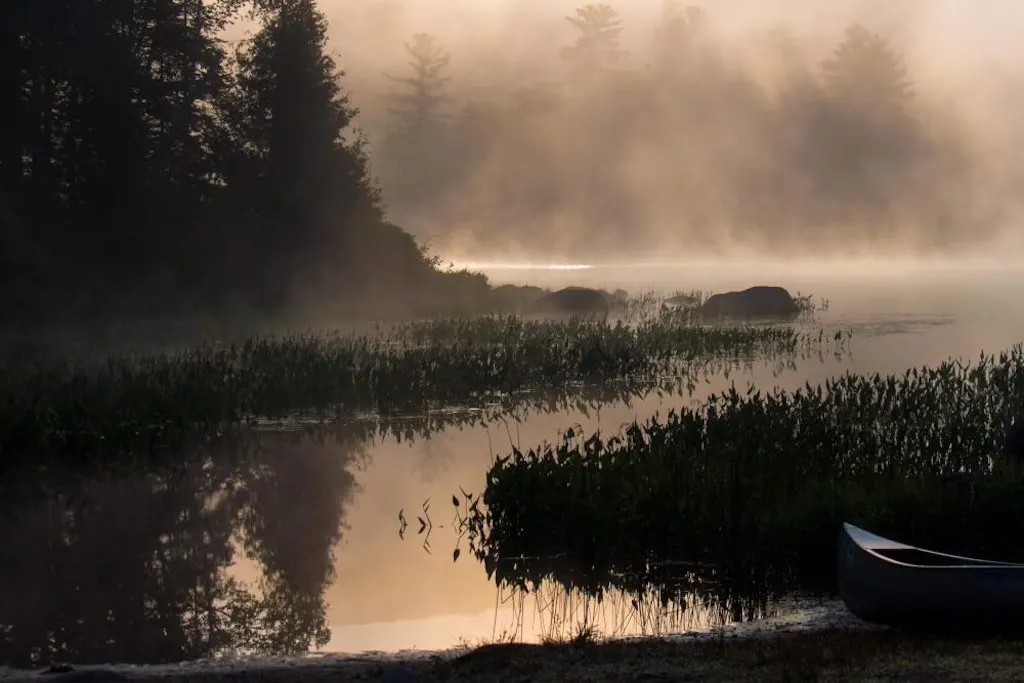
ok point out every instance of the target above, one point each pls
(761, 302)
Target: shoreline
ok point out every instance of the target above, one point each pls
(859, 654)
(488, 661)
(835, 655)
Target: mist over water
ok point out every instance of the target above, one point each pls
(716, 133)
(967, 288)
(899, 320)
(430, 600)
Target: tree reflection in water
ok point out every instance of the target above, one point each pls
(133, 565)
(135, 568)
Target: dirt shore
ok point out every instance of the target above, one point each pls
(836, 655)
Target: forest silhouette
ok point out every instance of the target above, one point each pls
(146, 169)
(151, 167)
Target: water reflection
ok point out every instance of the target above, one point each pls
(135, 568)
(234, 545)
(551, 612)
(283, 538)
(651, 606)
(571, 599)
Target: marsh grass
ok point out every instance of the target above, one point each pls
(130, 402)
(750, 488)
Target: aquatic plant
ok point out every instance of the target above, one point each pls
(749, 488)
(130, 402)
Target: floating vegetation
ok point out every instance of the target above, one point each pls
(748, 490)
(130, 402)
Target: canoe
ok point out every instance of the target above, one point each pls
(888, 582)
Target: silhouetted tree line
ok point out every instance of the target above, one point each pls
(146, 166)
(687, 141)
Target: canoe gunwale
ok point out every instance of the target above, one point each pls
(861, 538)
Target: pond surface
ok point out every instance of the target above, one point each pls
(282, 538)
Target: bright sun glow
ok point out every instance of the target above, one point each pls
(484, 266)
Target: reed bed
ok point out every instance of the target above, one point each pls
(746, 492)
(131, 401)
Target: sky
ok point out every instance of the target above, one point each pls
(956, 29)
(985, 30)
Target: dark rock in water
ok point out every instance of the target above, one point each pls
(766, 303)
(574, 301)
(509, 298)
(1013, 444)
(401, 674)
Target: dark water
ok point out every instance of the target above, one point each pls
(284, 539)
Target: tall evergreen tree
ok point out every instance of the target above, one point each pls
(597, 45)
(419, 108)
(868, 138)
(304, 170)
(868, 74)
(416, 151)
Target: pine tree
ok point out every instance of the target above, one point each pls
(305, 170)
(867, 137)
(419, 108)
(597, 45)
(865, 72)
(415, 153)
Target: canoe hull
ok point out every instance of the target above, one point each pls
(891, 583)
